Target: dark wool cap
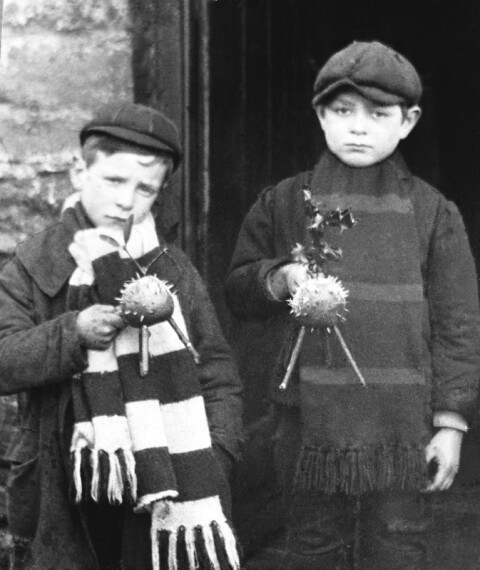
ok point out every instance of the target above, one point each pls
(136, 124)
(374, 70)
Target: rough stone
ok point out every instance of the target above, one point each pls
(65, 15)
(60, 59)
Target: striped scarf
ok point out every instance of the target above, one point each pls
(140, 440)
(358, 439)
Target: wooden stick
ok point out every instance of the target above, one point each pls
(184, 339)
(349, 355)
(144, 351)
(293, 358)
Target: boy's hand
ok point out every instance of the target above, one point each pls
(87, 246)
(98, 325)
(284, 281)
(444, 449)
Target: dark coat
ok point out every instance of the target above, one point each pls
(39, 353)
(277, 222)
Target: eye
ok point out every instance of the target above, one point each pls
(379, 113)
(342, 110)
(113, 180)
(147, 191)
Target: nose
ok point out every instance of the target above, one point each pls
(358, 123)
(125, 198)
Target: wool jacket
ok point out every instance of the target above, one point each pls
(40, 352)
(277, 222)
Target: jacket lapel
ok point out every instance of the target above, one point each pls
(47, 259)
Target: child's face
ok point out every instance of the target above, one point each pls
(361, 132)
(116, 186)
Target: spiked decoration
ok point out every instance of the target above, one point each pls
(319, 301)
(146, 301)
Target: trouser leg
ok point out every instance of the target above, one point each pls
(105, 523)
(393, 531)
(319, 527)
(318, 533)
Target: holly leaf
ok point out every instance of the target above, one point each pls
(341, 218)
(298, 254)
(347, 220)
(317, 222)
(307, 195)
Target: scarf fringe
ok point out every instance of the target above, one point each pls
(76, 458)
(115, 415)
(356, 471)
(210, 547)
(104, 476)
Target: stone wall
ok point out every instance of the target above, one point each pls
(60, 59)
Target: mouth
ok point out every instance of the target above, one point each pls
(117, 219)
(360, 147)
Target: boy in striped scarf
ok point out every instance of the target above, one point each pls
(117, 465)
(345, 451)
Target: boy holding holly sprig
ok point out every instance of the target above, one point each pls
(412, 324)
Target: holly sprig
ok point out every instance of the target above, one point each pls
(320, 251)
(315, 256)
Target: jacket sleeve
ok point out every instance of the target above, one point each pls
(454, 315)
(255, 255)
(218, 374)
(33, 353)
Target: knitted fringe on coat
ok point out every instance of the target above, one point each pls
(356, 471)
(360, 438)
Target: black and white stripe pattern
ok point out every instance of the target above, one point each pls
(145, 439)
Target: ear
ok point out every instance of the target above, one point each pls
(410, 119)
(77, 173)
(320, 111)
(165, 183)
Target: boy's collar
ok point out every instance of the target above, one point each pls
(331, 175)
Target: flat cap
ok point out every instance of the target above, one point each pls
(137, 124)
(373, 69)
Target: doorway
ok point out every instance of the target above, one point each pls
(264, 55)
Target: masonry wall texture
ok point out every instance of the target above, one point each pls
(60, 59)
